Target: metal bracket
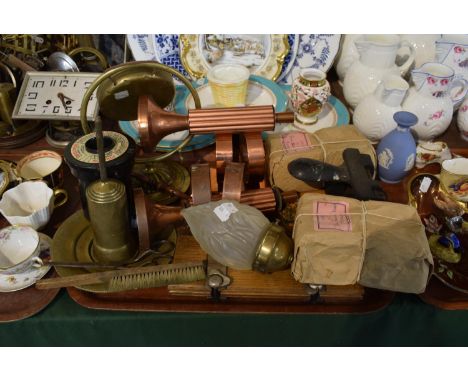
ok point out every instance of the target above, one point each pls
(216, 277)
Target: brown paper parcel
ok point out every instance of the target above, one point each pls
(341, 241)
(324, 145)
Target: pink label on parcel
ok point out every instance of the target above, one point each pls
(332, 216)
(295, 141)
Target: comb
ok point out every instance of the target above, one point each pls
(133, 278)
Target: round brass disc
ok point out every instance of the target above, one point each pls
(72, 243)
(118, 95)
(169, 172)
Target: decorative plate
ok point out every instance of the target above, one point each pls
(260, 92)
(334, 113)
(264, 55)
(316, 51)
(12, 283)
(141, 47)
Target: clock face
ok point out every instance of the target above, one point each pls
(55, 95)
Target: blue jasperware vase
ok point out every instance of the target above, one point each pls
(396, 151)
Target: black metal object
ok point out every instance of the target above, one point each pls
(352, 179)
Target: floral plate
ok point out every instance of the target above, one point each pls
(12, 283)
(316, 51)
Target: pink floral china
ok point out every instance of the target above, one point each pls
(462, 120)
(17, 281)
(431, 100)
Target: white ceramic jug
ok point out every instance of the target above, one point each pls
(346, 56)
(377, 54)
(462, 119)
(452, 50)
(424, 46)
(430, 99)
(374, 114)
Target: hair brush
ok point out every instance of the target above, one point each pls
(133, 278)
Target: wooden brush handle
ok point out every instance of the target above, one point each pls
(102, 277)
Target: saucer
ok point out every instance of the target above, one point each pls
(15, 282)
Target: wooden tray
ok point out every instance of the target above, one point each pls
(249, 292)
(25, 303)
(444, 297)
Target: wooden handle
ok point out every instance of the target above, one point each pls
(101, 277)
(17, 63)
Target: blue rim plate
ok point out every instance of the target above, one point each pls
(342, 112)
(276, 90)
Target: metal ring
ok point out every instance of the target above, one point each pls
(101, 58)
(8, 71)
(140, 64)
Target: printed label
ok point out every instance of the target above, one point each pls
(121, 95)
(295, 142)
(332, 216)
(425, 184)
(224, 211)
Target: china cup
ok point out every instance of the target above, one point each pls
(31, 203)
(229, 83)
(19, 249)
(454, 178)
(43, 165)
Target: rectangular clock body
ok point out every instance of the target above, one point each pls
(55, 96)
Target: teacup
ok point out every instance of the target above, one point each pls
(229, 83)
(31, 203)
(19, 249)
(454, 178)
(43, 165)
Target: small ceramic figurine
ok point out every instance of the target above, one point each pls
(396, 151)
(309, 92)
(431, 152)
(374, 114)
(430, 99)
(377, 55)
(462, 119)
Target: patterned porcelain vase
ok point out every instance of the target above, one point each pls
(431, 99)
(396, 151)
(309, 92)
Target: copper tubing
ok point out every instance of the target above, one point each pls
(233, 120)
(284, 117)
(201, 187)
(224, 150)
(253, 152)
(262, 199)
(233, 181)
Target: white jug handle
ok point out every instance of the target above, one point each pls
(405, 45)
(458, 97)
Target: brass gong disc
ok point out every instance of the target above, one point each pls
(169, 172)
(118, 95)
(72, 243)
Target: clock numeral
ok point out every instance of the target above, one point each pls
(68, 110)
(63, 83)
(56, 109)
(53, 82)
(38, 84)
(74, 84)
(32, 95)
(31, 107)
(87, 83)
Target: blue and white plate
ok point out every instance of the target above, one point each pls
(316, 51)
(165, 49)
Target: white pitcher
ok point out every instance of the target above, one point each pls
(377, 54)
(452, 50)
(374, 114)
(424, 47)
(430, 99)
(346, 56)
